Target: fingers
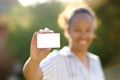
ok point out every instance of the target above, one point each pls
(46, 30)
(33, 47)
(34, 39)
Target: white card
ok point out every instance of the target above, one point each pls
(48, 40)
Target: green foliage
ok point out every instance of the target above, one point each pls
(107, 43)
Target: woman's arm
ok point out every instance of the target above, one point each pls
(31, 68)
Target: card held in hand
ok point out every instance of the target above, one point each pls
(48, 40)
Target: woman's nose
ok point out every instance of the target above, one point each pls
(83, 34)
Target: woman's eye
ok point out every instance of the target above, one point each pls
(89, 30)
(76, 30)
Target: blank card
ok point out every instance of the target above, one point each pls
(48, 40)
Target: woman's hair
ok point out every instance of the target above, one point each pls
(65, 18)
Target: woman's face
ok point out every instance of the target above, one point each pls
(81, 32)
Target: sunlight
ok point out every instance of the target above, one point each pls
(42, 1)
(26, 3)
(65, 0)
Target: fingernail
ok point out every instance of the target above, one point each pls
(46, 29)
(41, 30)
(51, 31)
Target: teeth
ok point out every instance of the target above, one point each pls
(83, 42)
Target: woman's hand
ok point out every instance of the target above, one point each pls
(37, 54)
(31, 68)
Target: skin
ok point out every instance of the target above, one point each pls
(80, 35)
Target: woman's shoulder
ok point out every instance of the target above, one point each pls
(54, 57)
(50, 60)
(93, 56)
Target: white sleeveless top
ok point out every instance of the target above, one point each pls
(64, 65)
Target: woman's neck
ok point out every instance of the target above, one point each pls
(79, 53)
(82, 55)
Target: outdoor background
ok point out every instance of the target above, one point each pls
(19, 19)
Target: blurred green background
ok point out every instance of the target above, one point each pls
(20, 19)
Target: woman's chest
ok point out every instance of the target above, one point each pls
(71, 69)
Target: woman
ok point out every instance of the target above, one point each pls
(73, 62)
